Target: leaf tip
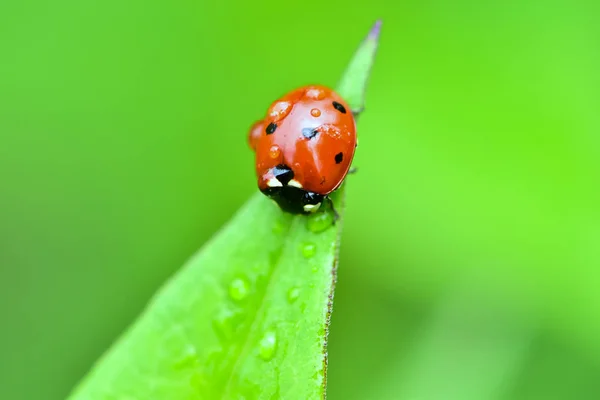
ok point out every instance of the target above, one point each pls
(375, 31)
(353, 83)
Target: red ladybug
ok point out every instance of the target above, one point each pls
(304, 147)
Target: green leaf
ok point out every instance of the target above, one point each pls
(245, 318)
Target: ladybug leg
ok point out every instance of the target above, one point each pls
(336, 216)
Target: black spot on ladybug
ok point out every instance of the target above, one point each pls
(271, 128)
(283, 174)
(339, 107)
(309, 133)
(339, 157)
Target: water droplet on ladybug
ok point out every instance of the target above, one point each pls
(256, 131)
(279, 110)
(315, 112)
(315, 94)
(274, 151)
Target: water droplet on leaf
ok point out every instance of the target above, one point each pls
(268, 345)
(315, 94)
(226, 323)
(308, 250)
(188, 359)
(319, 222)
(238, 289)
(293, 294)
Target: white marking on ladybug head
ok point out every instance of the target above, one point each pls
(295, 183)
(274, 182)
(311, 207)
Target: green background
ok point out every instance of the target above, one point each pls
(471, 248)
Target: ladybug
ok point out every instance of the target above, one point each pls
(304, 148)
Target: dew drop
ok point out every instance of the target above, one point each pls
(308, 250)
(279, 110)
(238, 289)
(315, 112)
(268, 345)
(226, 323)
(315, 269)
(315, 94)
(274, 151)
(319, 222)
(293, 295)
(256, 132)
(188, 359)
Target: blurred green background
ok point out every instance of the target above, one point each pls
(471, 249)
